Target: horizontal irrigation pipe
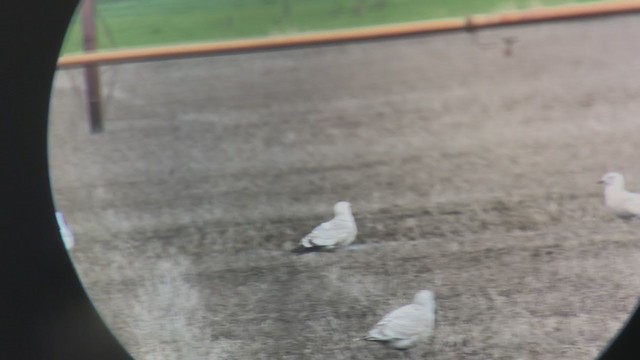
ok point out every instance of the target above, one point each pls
(468, 23)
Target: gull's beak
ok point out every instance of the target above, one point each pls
(600, 181)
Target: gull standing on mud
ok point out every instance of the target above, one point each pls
(622, 203)
(337, 232)
(402, 328)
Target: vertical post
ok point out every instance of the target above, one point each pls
(91, 72)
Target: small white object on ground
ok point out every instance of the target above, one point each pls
(337, 232)
(65, 232)
(402, 328)
(619, 201)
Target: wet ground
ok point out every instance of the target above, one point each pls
(471, 173)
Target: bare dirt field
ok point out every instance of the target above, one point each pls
(470, 173)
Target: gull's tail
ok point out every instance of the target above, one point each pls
(301, 250)
(373, 338)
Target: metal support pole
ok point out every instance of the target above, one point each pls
(91, 71)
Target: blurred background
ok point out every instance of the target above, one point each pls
(470, 160)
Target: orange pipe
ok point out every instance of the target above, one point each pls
(556, 13)
(469, 23)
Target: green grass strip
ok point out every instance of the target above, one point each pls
(131, 23)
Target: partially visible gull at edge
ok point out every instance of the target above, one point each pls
(622, 203)
(65, 232)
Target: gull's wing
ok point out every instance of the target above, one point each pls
(328, 233)
(406, 322)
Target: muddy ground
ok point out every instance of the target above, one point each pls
(471, 173)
